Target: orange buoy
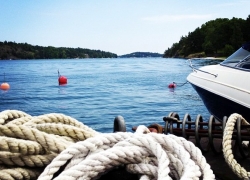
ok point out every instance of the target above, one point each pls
(62, 80)
(5, 86)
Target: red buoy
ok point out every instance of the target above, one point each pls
(62, 80)
(5, 86)
(172, 85)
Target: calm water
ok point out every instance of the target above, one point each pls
(100, 89)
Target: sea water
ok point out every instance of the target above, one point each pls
(98, 90)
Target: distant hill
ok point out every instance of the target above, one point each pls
(140, 55)
(215, 38)
(13, 50)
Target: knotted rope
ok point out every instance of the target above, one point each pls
(28, 144)
(227, 146)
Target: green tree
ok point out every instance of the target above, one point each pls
(214, 37)
(208, 48)
(228, 50)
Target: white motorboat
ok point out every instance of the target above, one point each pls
(225, 87)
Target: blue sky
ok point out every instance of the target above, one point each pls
(117, 26)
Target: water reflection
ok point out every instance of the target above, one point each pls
(62, 90)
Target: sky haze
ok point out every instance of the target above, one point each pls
(120, 27)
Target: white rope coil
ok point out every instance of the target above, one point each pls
(152, 155)
(227, 146)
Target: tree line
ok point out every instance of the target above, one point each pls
(13, 50)
(217, 38)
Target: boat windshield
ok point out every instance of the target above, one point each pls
(240, 58)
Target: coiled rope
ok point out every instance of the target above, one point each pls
(55, 146)
(28, 144)
(227, 146)
(154, 156)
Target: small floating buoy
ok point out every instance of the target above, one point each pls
(5, 86)
(172, 85)
(62, 79)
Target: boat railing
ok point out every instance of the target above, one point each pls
(197, 69)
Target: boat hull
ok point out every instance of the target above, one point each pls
(219, 106)
(223, 90)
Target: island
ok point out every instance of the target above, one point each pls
(141, 55)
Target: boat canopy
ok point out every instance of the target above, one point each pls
(240, 58)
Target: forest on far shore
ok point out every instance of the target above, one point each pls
(216, 38)
(13, 50)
